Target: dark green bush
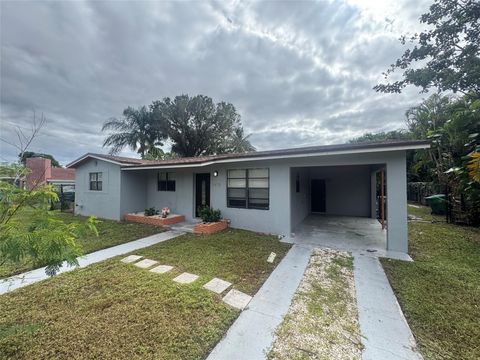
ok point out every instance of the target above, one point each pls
(151, 211)
(210, 215)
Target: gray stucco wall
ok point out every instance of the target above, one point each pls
(133, 192)
(300, 202)
(276, 220)
(397, 227)
(179, 201)
(347, 189)
(103, 204)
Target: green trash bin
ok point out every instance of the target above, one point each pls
(437, 203)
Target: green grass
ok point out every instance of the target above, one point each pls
(112, 310)
(439, 292)
(110, 233)
(238, 256)
(322, 317)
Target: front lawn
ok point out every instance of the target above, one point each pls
(110, 233)
(439, 292)
(113, 310)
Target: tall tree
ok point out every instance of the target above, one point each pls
(429, 116)
(137, 130)
(239, 142)
(197, 126)
(29, 154)
(447, 55)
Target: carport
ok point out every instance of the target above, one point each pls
(341, 206)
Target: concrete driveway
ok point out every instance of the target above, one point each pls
(385, 332)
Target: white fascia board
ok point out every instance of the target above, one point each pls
(93, 157)
(276, 157)
(58, 181)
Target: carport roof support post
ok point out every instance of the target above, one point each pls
(397, 227)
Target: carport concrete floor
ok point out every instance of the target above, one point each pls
(354, 234)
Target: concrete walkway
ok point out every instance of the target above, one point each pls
(251, 335)
(385, 332)
(33, 276)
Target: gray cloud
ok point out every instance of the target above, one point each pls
(300, 73)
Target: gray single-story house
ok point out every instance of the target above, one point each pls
(264, 191)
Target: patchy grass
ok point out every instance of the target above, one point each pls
(424, 213)
(238, 256)
(110, 233)
(114, 310)
(440, 291)
(322, 320)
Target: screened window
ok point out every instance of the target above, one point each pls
(166, 181)
(248, 188)
(96, 181)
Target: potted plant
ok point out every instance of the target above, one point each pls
(212, 221)
(208, 214)
(165, 212)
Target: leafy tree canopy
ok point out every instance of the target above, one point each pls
(30, 154)
(45, 240)
(448, 52)
(453, 127)
(197, 126)
(193, 125)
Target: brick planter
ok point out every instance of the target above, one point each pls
(210, 228)
(154, 219)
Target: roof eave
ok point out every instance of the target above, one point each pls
(397, 147)
(76, 162)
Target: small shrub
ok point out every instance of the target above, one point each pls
(151, 211)
(210, 215)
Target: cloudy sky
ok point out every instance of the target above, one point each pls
(300, 73)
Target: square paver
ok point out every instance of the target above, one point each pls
(131, 258)
(217, 285)
(186, 278)
(161, 269)
(237, 299)
(271, 257)
(145, 263)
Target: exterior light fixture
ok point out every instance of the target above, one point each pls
(215, 173)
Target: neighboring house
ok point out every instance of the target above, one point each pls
(42, 172)
(265, 191)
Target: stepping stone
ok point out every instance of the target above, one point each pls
(145, 263)
(217, 285)
(271, 257)
(161, 269)
(237, 299)
(186, 278)
(131, 258)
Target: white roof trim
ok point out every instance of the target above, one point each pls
(93, 157)
(61, 181)
(275, 157)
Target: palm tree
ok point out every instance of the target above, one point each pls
(136, 130)
(239, 142)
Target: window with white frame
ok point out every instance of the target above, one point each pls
(248, 188)
(95, 181)
(166, 181)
